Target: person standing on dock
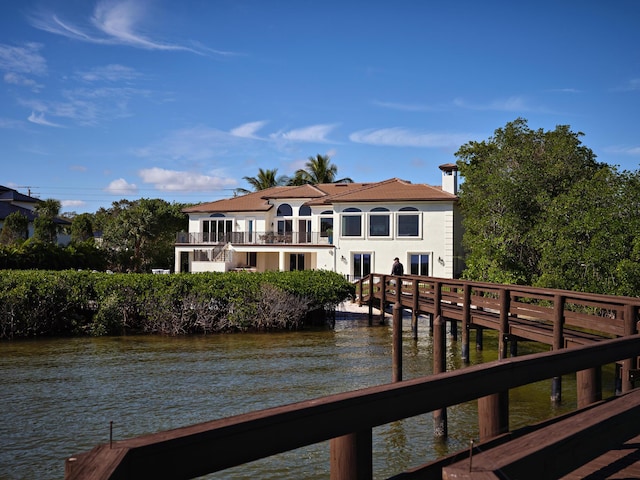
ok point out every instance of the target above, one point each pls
(397, 268)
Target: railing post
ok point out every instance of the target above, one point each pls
(383, 297)
(351, 456)
(439, 366)
(397, 343)
(558, 343)
(504, 323)
(630, 328)
(466, 322)
(415, 308)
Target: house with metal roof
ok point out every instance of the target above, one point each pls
(349, 228)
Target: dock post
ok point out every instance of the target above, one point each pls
(415, 308)
(397, 343)
(630, 328)
(383, 297)
(493, 415)
(558, 343)
(351, 456)
(466, 322)
(479, 339)
(503, 339)
(589, 386)
(439, 366)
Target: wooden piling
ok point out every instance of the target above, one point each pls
(503, 339)
(466, 322)
(589, 386)
(440, 428)
(558, 343)
(493, 415)
(397, 343)
(351, 457)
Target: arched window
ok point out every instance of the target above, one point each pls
(408, 223)
(305, 211)
(284, 210)
(351, 222)
(379, 222)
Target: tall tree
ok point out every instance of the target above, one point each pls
(15, 229)
(318, 169)
(82, 228)
(509, 184)
(265, 179)
(44, 226)
(591, 236)
(141, 234)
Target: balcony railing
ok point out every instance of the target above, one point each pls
(253, 238)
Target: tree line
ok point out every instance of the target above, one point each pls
(537, 207)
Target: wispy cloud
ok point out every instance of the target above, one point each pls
(25, 59)
(405, 107)
(623, 150)
(109, 73)
(313, 133)
(38, 119)
(402, 137)
(248, 130)
(17, 79)
(510, 104)
(181, 181)
(114, 22)
(121, 187)
(87, 106)
(194, 144)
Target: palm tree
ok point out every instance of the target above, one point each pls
(265, 179)
(319, 169)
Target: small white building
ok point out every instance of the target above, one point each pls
(350, 228)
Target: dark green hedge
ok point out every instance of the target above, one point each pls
(59, 303)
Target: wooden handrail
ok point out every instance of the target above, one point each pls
(192, 451)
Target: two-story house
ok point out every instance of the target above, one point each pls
(349, 228)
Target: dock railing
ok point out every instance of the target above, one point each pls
(346, 419)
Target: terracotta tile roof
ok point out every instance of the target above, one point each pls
(392, 190)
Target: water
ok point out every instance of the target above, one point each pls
(59, 396)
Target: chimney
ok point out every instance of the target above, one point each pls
(449, 178)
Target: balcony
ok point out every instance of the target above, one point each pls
(253, 238)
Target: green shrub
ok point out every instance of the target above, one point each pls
(56, 303)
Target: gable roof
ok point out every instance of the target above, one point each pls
(10, 195)
(392, 190)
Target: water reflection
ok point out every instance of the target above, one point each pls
(59, 396)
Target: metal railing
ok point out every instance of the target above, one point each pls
(253, 238)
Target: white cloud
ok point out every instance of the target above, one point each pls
(623, 150)
(314, 133)
(17, 79)
(511, 104)
(25, 59)
(402, 137)
(72, 203)
(114, 22)
(109, 73)
(174, 180)
(248, 130)
(38, 118)
(405, 107)
(121, 187)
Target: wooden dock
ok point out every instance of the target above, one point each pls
(600, 435)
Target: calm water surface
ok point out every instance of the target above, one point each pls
(59, 396)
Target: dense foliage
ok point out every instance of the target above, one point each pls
(539, 210)
(57, 303)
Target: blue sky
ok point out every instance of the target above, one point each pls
(112, 99)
